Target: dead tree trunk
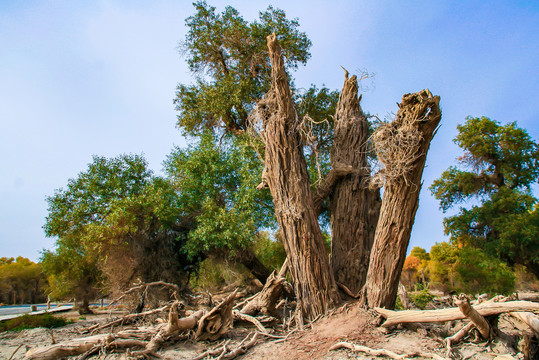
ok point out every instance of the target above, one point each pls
(402, 147)
(354, 207)
(288, 180)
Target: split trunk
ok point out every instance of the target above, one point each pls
(288, 180)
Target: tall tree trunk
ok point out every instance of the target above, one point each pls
(402, 147)
(288, 180)
(354, 207)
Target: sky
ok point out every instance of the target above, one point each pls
(98, 78)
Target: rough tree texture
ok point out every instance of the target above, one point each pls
(402, 147)
(354, 207)
(288, 180)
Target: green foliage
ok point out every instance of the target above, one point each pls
(270, 252)
(230, 59)
(470, 270)
(217, 191)
(33, 321)
(421, 298)
(74, 212)
(214, 273)
(420, 253)
(499, 166)
(21, 281)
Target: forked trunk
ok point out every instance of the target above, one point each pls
(402, 147)
(288, 180)
(354, 207)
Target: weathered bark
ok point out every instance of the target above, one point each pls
(247, 258)
(354, 207)
(266, 300)
(441, 315)
(529, 319)
(217, 322)
(288, 180)
(475, 317)
(402, 147)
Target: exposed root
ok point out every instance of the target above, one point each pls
(383, 352)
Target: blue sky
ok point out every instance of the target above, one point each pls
(98, 77)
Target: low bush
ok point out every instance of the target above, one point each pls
(33, 321)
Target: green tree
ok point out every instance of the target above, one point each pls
(229, 58)
(216, 185)
(73, 268)
(495, 176)
(21, 281)
(468, 269)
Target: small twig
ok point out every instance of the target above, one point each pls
(286, 337)
(348, 291)
(251, 319)
(17, 349)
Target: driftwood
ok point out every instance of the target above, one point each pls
(383, 352)
(266, 299)
(458, 336)
(244, 317)
(529, 319)
(441, 315)
(479, 321)
(217, 322)
(224, 352)
(148, 338)
(130, 317)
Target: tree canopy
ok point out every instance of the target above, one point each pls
(495, 176)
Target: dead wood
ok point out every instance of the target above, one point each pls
(403, 296)
(73, 347)
(244, 317)
(401, 146)
(216, 322)
(145, 286)
(265, 300)
(529, 319)
(124, 339)
(475, 317)
(288, 179)
(348, 291)
(383, 352)
(458, 336)
(130, 317)
(441, 315)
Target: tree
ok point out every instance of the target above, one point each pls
(296, 147)
(218, 200)
(232, 53)
(499, 166)
(470, 270)
(21, 281)
(88, 200)
(401, 146)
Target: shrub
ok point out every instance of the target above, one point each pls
(33, 321)
(421, 298)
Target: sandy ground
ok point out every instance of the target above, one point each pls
(349, 323)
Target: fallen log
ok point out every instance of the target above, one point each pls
(529, 319)
(441, 315)
(123, 339)
(479, 321)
